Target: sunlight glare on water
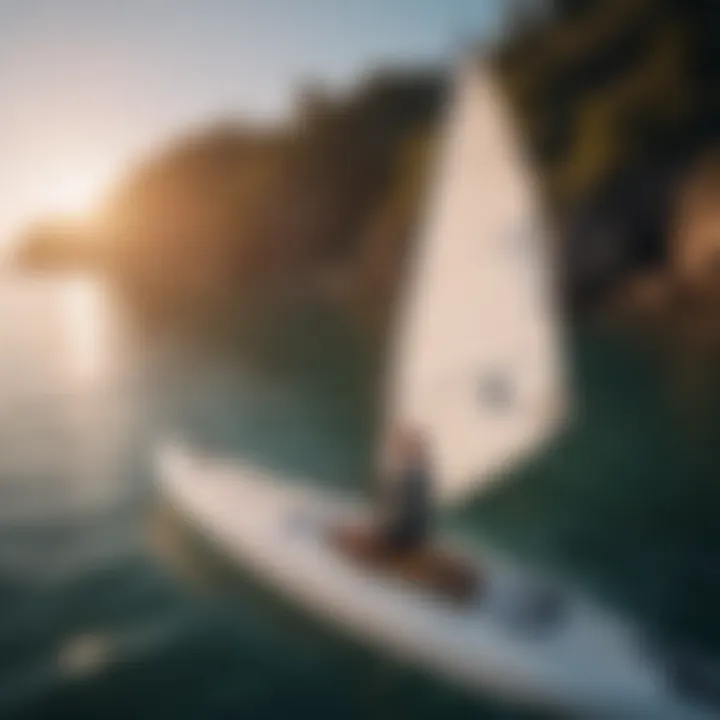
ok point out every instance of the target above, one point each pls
(85, 346)
(62, 414)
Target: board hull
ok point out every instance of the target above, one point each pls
(592, 664)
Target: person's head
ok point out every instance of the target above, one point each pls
(409, 447)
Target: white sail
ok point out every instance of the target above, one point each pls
(477, 366)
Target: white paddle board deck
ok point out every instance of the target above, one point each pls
(590, 662)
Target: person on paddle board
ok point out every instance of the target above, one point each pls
(406, 507)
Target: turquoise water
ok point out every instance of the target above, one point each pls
(625, 502)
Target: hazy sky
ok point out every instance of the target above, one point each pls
(88, 85)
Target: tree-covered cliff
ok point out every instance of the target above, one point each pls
(614, 98)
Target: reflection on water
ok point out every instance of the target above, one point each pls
(86, 345)
(61, 419)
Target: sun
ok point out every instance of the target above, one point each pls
(73, 191)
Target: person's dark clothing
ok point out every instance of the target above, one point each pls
(409, 518)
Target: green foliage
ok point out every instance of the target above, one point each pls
(605, 87)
